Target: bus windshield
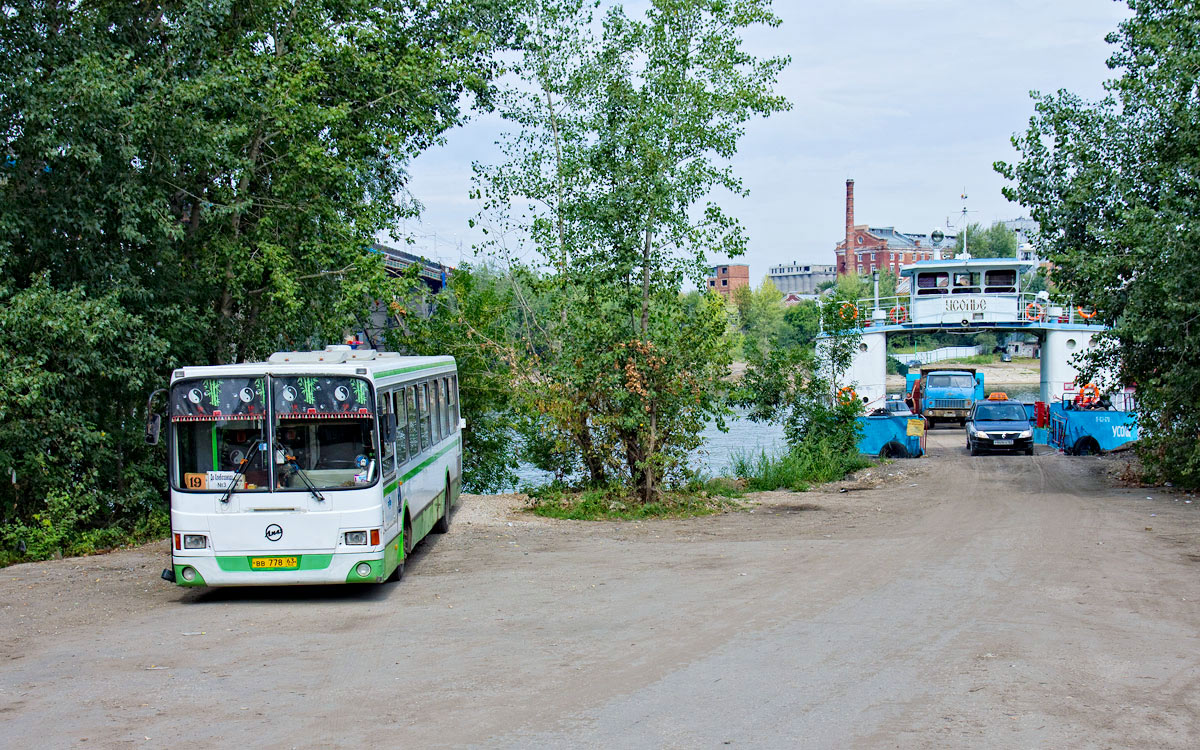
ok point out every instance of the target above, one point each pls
(218, 422)
(327, 424)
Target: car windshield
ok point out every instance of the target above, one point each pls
(1000, 413)
(951, 380)
(327, 425)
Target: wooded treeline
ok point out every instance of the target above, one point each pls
(194, 182)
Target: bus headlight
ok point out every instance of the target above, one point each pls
(189, 574)
(195, 541)
(363, 570)
(356, 537)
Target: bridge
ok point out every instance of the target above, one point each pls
(968, 295)
(398, 261)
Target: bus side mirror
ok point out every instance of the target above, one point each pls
(462, 423)
(153, 421)
(153, 427)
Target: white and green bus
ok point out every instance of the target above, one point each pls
(311, 467)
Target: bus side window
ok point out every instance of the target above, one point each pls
(436, 407)
(401, 427)
(454, 418)
(387, 435)
(414, 422)
(447, 428)
(423, 409)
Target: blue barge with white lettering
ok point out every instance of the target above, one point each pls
(1080, 431)
(892, 435)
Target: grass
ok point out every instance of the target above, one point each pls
(799, 469)
(699, 497)
(974, 359)
(989, 359)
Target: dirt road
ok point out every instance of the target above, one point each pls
(997, 601)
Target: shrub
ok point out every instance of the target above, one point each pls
(815, 461)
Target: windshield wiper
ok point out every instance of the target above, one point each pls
(290, 460)
(241, 470)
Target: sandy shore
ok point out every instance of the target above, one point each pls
(1025, 372)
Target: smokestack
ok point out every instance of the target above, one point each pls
(851, 254)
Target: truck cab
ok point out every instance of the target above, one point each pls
(944, 394)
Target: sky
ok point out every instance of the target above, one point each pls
(912, 99)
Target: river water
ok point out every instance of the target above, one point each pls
(715, 455)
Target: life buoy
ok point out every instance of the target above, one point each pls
(853, 308)
(898, 314)
(1034, 311)
(1085, 315)
(847, 395)
(1088, 395)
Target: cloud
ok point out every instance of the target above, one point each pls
(914, 99)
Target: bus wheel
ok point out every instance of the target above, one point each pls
(398, 573)
(443, 523)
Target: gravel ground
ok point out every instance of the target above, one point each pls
(995, 601)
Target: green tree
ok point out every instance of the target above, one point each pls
(760, 313)
(802, 324)
(471, 320)
(796, 388)
(1113, 186)
(78, 368)
(622, 138)
(997, 241)
(214, 172)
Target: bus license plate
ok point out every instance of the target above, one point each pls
(1003, 442)
(274, 563)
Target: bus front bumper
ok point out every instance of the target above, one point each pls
(367, 566)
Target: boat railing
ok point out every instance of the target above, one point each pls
(897, 310)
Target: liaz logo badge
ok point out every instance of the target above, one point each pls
(274, 532)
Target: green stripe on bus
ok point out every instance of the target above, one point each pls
(412, 472)
(241, 563)
(417, 469)
(413, 368)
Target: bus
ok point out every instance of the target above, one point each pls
(312, 467)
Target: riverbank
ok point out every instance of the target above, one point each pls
(1019, 372)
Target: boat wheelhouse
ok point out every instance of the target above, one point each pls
(970, 291)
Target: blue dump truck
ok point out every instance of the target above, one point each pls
(1082, 428)
(945, 394)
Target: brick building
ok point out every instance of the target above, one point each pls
(866, 248)
(724, 279)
